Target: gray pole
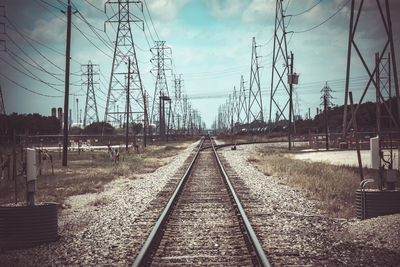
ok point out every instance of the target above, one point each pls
(290, 101)
(66, 96)
(127, 105)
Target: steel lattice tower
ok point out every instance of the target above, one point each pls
(255, 110)
(90, 72)
(242, 103)
(384, 80)
(389, 44)
(278, 84)
(326, 93)
(161, 56)
(2, 107)
(123, 51)
(178, 109)
(235, 106)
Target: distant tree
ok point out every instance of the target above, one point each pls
(97, 128)
(136, 127)
(33, 123)
(75, 130)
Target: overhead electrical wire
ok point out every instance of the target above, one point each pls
(323, 22)
(151, 20)
(34, 48)
(25, 88)
(39, 66)
(307, 10)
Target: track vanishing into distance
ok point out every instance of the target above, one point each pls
(203, 222)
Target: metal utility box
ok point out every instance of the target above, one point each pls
(293, 78)
(31, 167)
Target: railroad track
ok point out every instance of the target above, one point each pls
(203, 222)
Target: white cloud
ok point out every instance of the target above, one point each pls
(224, 9)
(166, 9)
(259, 10)
(49, 31)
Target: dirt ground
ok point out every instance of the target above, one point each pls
(347, 158)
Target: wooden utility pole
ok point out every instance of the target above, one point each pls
(127, 106)
(66, 96)
(290, 101)
(326, 123)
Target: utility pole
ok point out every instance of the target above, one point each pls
(77, 110)
(2, 107)
(326, 123)
(290, 100)
(127, 106)
(66, 96)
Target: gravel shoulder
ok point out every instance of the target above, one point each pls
(97, 229)
(294, 231)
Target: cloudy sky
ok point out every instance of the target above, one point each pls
(211, 48)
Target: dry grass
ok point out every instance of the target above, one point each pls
(89, 172)
(334, 185)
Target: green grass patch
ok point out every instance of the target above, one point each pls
(334, 185)
(89, 172)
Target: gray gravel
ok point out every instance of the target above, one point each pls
(97, 229)
(294, 230)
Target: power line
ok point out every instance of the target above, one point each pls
(32, 76)
(307, 10)
(34, 48)
(87, 1)
(25, 88)
(323, 22)
(50, 5)
(37, 64)
(151, 20)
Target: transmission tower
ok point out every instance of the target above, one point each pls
(243, 111)
(280, 56)
(123, 51)
(387, 29)
(326, 93)
(90, 72)
(178, 105)
(2, 108)
(384, 80)
(161, 63)
(235, 106)
(255, 110)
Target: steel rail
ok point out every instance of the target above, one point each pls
(262, 259)
(155, 234)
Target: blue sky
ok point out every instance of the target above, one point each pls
(211, 47)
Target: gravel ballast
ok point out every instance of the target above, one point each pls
(294, 230)
(97, 229)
